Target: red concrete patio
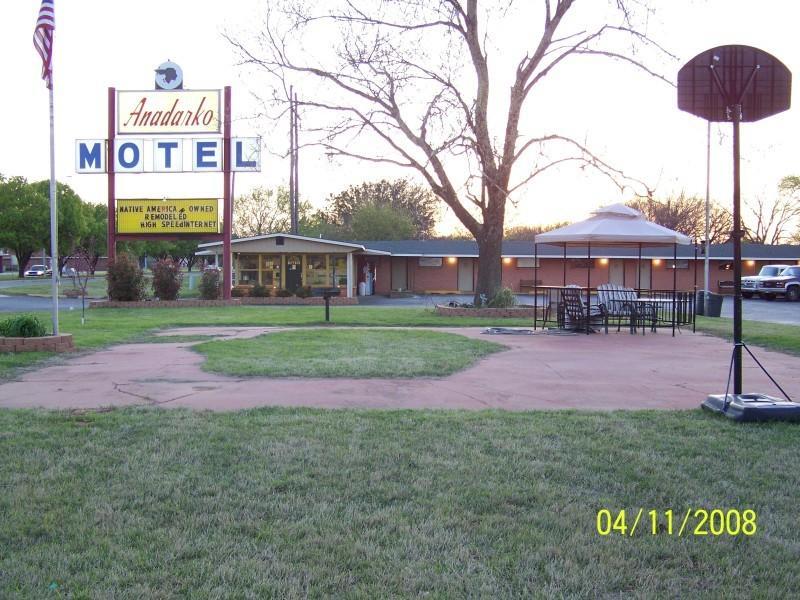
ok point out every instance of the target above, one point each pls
(595, 372)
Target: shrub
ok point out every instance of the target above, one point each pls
(167, 278)
(284, 294)
(125, 279)
(209, 285)
(240, 291)
(504, 298)
(22, 326)
(260, 291)
(303, 291)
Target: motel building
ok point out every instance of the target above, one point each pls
(286, 261)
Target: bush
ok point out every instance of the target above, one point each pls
(504, 298)
(240, 291)
(125, 279)
(303, 291)
(209, 285)
(284, 294)
(167, 278)
(22, 326)
(260, 291)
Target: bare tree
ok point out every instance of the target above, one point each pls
(413, 78)
(528, 232)
(687, 215)
(261, 211)
(771, 222)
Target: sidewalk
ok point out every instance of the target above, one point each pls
(597, 372)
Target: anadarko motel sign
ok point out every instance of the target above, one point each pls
(167, 113)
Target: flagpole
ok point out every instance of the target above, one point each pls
(53, 216)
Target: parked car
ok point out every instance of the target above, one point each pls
(38, 271)
(787, 284)
(750, 283)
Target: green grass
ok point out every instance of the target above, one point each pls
(297, 503)
(95, 289)
(118, 325)
(775, 336)
(345, 353)
(11, 363)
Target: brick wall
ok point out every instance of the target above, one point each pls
(52, 343)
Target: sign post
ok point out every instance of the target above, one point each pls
(227, 202)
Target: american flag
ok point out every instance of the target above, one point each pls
(43, 39)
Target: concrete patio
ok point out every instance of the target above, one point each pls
(541, 371)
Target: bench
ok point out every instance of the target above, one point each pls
(725, 287)
(528, 285)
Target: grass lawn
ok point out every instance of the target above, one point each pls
(776, 336)
(297, 503)
(96, 288)
(345, 353)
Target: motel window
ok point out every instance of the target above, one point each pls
(726, 267)
(248, 269)
(271, 270)
(338, 270)
(430, 261)
(681, 263)
(527, 263)
(581, 263)
(316, 270)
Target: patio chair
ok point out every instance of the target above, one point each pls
(576, 314)
(620, 302)
(615, 298)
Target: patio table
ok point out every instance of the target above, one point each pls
(658, 305)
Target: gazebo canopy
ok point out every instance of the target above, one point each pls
(613, 225)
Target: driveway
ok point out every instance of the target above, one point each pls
(540, 371)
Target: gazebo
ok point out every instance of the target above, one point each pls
(612, 225)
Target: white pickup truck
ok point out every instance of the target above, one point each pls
(750, 284)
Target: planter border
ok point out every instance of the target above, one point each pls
(50, 343)
(514, 312)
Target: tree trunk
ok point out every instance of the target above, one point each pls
(22, 261)
(490, 264)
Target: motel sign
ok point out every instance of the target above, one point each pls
(157, 132)
(167, 155)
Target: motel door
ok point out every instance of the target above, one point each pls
(616, 271)
(465, 281)
(399, 273)
(294, 272)
(644, 272)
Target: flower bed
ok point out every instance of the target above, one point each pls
(50, 343)
(514, 312)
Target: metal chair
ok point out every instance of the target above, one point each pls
(575, 310)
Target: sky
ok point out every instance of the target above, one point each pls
(629, 119)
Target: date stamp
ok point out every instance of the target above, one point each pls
(691, 522)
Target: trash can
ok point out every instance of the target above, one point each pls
(713, 305)
(699, 302)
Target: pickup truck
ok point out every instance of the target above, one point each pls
(787, 284)
(750, 283)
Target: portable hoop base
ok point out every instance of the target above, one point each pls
(748, 408)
